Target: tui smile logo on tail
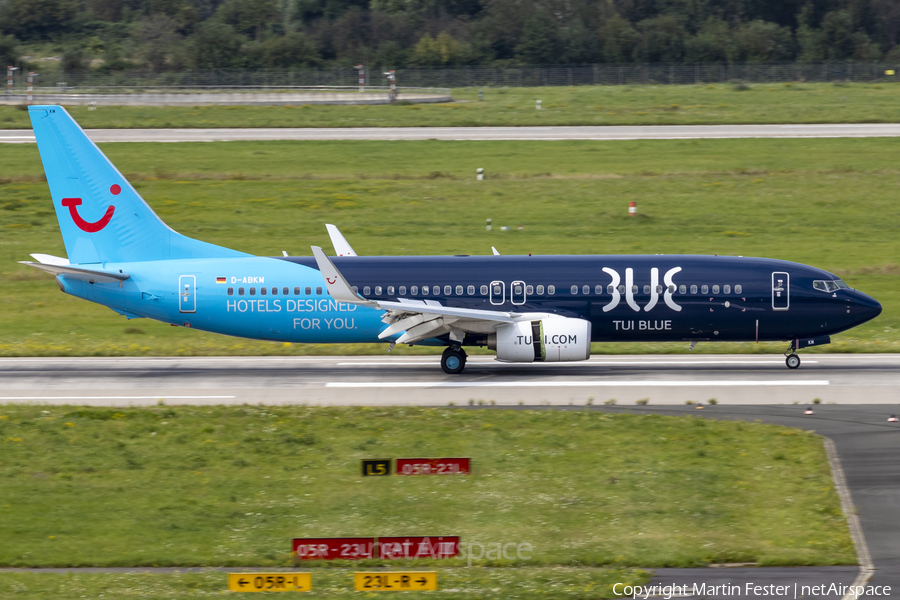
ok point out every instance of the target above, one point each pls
(96, 226)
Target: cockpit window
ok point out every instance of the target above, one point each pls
(829, 285)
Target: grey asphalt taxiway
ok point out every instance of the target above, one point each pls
(617, 132)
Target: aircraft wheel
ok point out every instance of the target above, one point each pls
(453, 361)
(792, 361)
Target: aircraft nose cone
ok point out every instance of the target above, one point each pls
(866, 307)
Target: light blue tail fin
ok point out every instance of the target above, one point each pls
(103, 218)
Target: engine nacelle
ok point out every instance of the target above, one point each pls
(549, 339)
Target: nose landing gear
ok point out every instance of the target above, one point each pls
(453, 360)
(791, 359)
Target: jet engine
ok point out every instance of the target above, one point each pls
(548, 339)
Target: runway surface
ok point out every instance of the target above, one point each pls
(409, 380)
(624, 132)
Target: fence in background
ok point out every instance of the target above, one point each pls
(470, 76)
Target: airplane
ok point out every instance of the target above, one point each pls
(526, 308)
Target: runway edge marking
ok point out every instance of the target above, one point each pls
(866, 568)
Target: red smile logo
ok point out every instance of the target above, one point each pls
(83, 225)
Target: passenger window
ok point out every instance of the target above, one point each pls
(551, 289)
(517, 289)
(726, 289)
(402, 290)
(610, 289)
(355, 289)
(436, 290)
(621, 289)
(738, 289)
(240, 291)
(470, 290)
(426, 290)
(448, 289)
(285, 291)
(318, 291)
(585, 289)
(634, 289)
(253, 291)
(598, 289)
(693, 289)
(377, 290)
(498, 290)
(308, 291)
(574, 290)
(671, 289)
(647, 289)
(715, 289)
(682, 289)
(529, 289)
(540, 290)
(262, 291)
(484, 290)
(297, 291)
(231, 291)
(367, 290)
(704, 289)
(414, 290)
(659, 289)
(459, 290)
(390, 291)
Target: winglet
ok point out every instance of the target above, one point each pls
(338, 287)
(341, 246)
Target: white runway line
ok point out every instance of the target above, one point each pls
(581, 363)
(160, 396)
(532, 383)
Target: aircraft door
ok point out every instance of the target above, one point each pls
(498, 293)
(781, 291)
(187, 298)
(517, 292)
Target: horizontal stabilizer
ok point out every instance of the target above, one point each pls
(49, 259)
(91, 275)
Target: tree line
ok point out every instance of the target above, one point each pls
(167, 35)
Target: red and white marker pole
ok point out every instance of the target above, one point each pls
(362, 77)
(632, 208)
(9, 79)
(30, 95)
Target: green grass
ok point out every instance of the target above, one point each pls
(230, 486)
(588, 105)
(829, 203)
(465, 584)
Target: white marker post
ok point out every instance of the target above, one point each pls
(9, 78)
(537, 106)
(362, 77)
(488, 225)
(479, 175)
(632, 208)
(30, 94)
(392, 77)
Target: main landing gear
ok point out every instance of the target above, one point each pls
(453, 360)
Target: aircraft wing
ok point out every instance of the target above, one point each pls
(78, 272)
(420, 319)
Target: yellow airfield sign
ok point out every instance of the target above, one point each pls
(269, 582)
(395, 581)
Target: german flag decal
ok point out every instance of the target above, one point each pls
(221, 279)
